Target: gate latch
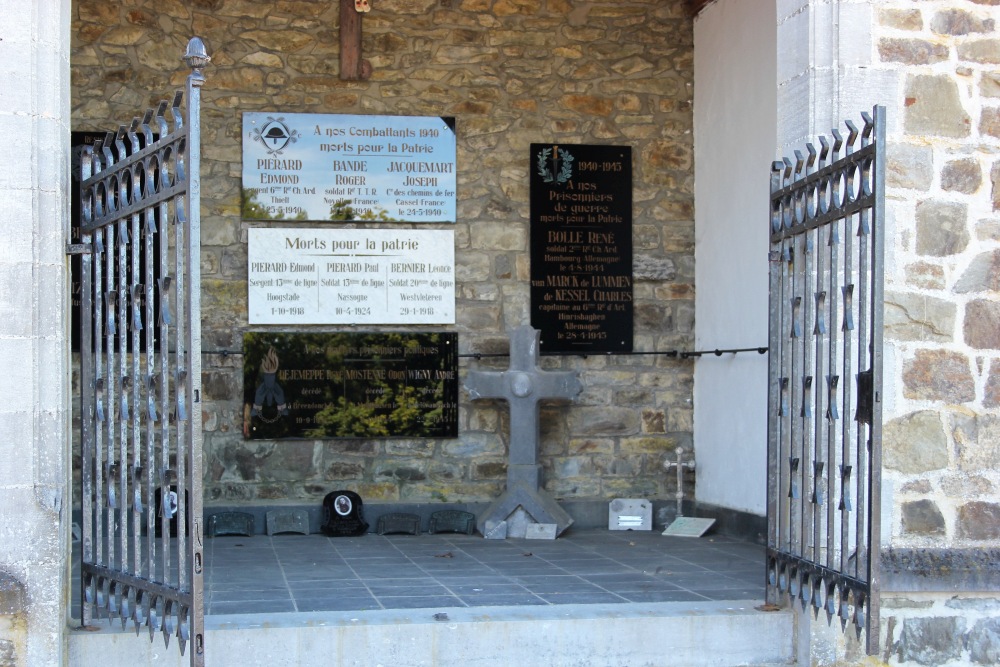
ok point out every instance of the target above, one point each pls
(78, 249)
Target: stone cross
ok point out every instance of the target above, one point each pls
(523, 385)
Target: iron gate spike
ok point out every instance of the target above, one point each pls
(125, 607)
(168, 623)
(155, 616)
(141, 613)
(852, 137)
(161, 121)
(831, 601)
(869, 125)
(109, 158)
(112, 601)
(133, 137)
(175, 110)
(183, 628)
(838, 143)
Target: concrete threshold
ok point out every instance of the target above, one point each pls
(661, 634)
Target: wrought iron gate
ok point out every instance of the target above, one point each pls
(825, 376)
(140, 372)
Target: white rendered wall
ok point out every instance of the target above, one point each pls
(735, 108)
(34, 352)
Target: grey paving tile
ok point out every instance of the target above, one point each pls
(460, 571)
(328, 574)
(663, 596)
(601, 597)
(378, 573)
(420, 601)
(271, 583)
(264, 575)
(501, 600)
(582, 587)
(691, 580)
(563, 579)
(411, 590)
(472, 579)
(320, 593)
(509, 588)
(251, 607)
(250, 594)
(337, 604)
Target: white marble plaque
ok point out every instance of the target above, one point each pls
(351, 276)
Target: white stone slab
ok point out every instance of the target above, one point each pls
(496, 530)
(540, 531)
(686, 526)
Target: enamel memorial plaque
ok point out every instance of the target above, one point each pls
(350, 385)
(581, 247)
(342, 168)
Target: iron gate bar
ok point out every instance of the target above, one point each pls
(140, 369)
(825, 376)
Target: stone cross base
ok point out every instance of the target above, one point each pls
(522, 504)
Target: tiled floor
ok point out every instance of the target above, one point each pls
(299, 573)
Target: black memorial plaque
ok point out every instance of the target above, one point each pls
(350, 385)
(581, 247)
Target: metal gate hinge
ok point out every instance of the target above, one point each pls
(774, 256)
(78, 249)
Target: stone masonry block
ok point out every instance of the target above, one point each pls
(931, 641)
(922, 517)
(939, 375)
(934, 107)
(915, 443)
(981, 328)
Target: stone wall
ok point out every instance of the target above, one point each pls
(941, 446)
(512, 72)
(942, 436)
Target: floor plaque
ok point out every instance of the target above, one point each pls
(687, 526)
(630, 514)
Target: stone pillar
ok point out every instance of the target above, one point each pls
(35, 508)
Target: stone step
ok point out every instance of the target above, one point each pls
(665, 634)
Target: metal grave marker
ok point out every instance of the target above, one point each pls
(630, 514)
